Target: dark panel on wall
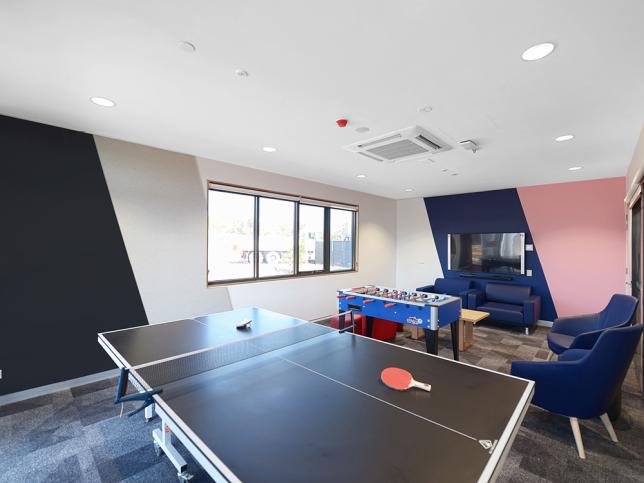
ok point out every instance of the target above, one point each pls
(65, 271)
(487, 212)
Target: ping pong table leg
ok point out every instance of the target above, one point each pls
(163, 443)
(431, 340)
(454, 329)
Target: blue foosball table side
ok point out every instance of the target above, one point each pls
(423, 310)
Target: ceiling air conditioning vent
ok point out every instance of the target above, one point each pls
(403, 145)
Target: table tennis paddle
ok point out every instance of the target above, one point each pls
(401, 380)
(244, 324)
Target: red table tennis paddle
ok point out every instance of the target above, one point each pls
(401, 380)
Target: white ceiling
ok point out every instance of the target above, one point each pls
(374, 62)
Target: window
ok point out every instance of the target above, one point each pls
(276, 231)
(311, 242)
(255, 234)
(342, 225)
(231, 235)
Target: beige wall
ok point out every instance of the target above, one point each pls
(160, 201)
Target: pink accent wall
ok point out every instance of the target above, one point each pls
(579, 233)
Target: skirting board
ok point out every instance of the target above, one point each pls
(58, 386)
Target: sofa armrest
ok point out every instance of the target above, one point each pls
(532, 309)
(586, 340)
(573, 355)
(558, 386)
(576, 324)
(475, 298)
(465, 297)
(426, 288)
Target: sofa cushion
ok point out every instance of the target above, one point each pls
(451, 286)
(507, 294)
(505, 312)
(559, 342)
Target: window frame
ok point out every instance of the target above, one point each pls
(324, 234)
(353, 238)
(298, 200)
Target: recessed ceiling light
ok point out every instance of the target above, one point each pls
(362, 129)
(575, 168)
(425, 109)
(454, 174)
(444, 170)
(103, 101)
(241, 73)
(187, 46)
(361, 176)
(565, 137)
(269, 149)
(409, 190)
(538, 51)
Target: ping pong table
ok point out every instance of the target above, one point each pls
(289, 400)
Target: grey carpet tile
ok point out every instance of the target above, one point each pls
(77, 435)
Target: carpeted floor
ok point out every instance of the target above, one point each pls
(77, 435)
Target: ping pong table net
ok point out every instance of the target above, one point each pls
(153, 376)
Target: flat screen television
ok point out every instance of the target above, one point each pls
(502, 253)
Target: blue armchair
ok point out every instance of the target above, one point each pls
(508, 303)
(450, 286)
(581, 331)
(582, 384)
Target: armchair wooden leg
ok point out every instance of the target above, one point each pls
(527, 331)
(609, 427)
(574, 424)
(550, 354)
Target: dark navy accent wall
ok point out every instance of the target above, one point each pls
(487, 212)
(64, 271)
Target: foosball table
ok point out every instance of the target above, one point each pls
(428, 311)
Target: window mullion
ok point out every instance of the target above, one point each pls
(296, 240)
(353, 242)
(327, 239)
(256, 241)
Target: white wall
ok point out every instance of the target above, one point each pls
(160, 202)
(417, 261)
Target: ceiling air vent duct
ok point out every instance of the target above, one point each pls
(402, 145)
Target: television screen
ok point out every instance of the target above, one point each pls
(487, 252)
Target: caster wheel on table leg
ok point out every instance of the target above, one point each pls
(157, 449)
(183, 477)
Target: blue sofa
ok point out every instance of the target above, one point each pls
(450, 286)
(514, 304)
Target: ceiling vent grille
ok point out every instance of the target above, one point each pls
(403, 145)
